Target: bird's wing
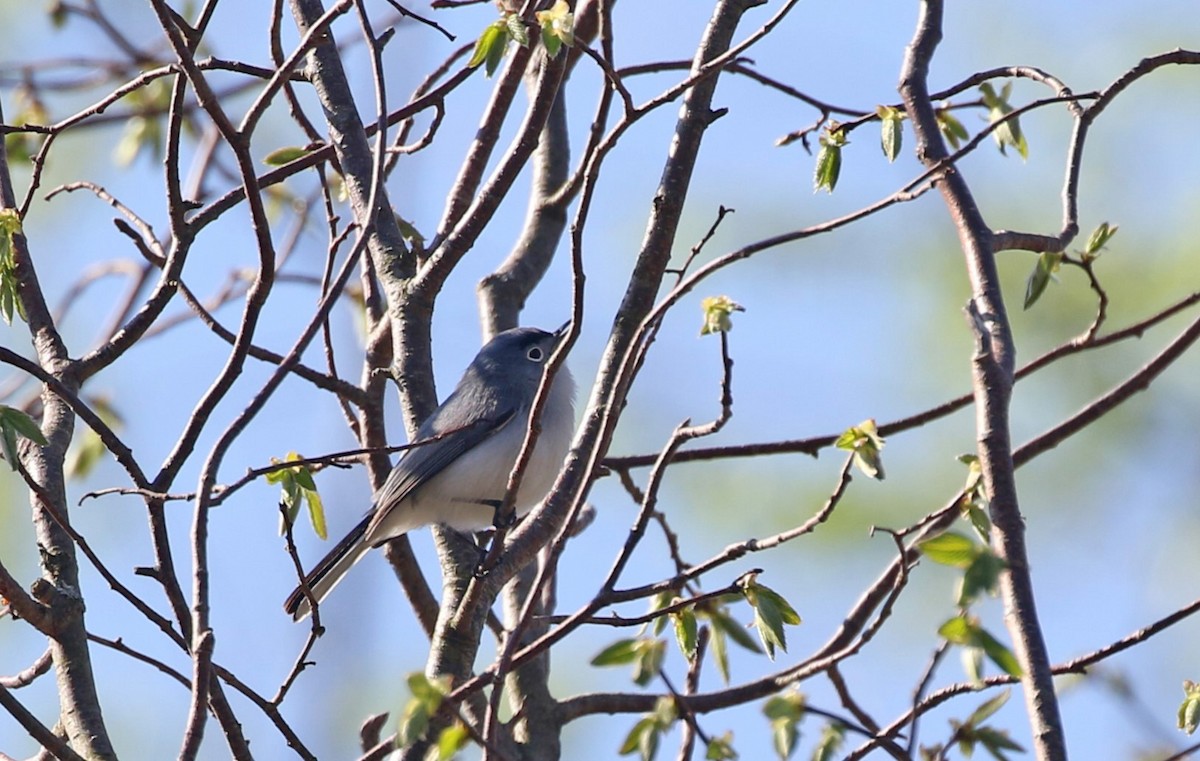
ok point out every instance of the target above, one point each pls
(421, 463)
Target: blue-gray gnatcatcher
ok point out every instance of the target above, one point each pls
(460, 478)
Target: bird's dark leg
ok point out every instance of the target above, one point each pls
(488, 536)
(479, 571)
(502, 522)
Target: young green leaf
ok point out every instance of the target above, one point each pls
(9, 298)
(297, 486)
(958, 630)
(975, 501)
(618, 653)
(10, 290)
(993, 101)
(972, 733)
(21, 146)
(645, 653)
(789, 705)
(996, 741)
(643, 738)
(409, 232)
(978, 516)
(999, 654)
(1098, 239)
(728, 624)
(551, 43)
(740, 634)
(891, 131)
(414, 721)
(451, 740)
(718, 313)
(429, 691)
(516, 29)
(89, 449)
(28, 109)
(719, 647)
(974, 469)
(558, 27)
(286, 155)
(686, 631)
(141, 134)
(833, 735)
(952, 129)
(84, 455)
(785, 712)
(635, 740)
(771, 614)
(1189, 709)
(972, 662)
(303, 475)
(966, 631)
(1043, 272)
(785, 736)
(10, 225)
(981, 567)
(988, 707)
(490, 47)
(15, 423)
(665, 711)
(651, 653)
(829, 159)
(1009, 133)
(291, 497)
(11, 417)
(949, 548)
(427, 695)
(8, 445)
(658, 602)
(722, 628)
(981, 577)
(316, 512)
(648, 744)
(866, 444)
(787, 613)
(720, 748)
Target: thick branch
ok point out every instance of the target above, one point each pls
(79, 701)
(992, 379)
(349, 140)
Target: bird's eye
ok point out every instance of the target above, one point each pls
(535, 353)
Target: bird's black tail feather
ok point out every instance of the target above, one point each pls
(327, 573)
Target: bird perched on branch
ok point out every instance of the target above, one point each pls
(459, 477)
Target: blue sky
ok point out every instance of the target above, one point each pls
(865, 322)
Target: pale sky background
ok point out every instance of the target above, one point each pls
(865, 322)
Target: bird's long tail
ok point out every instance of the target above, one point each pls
(324, 577)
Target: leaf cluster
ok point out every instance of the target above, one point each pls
(297, 487)
(867, 445)
(427, 698)
(556, 27)
(10, 292)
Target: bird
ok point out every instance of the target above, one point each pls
(459, 477)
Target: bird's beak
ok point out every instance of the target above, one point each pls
(561, 333)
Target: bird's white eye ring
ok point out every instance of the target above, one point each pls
(535, 353)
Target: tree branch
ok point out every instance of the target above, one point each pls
(992, 378)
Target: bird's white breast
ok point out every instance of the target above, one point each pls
(462, 495)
